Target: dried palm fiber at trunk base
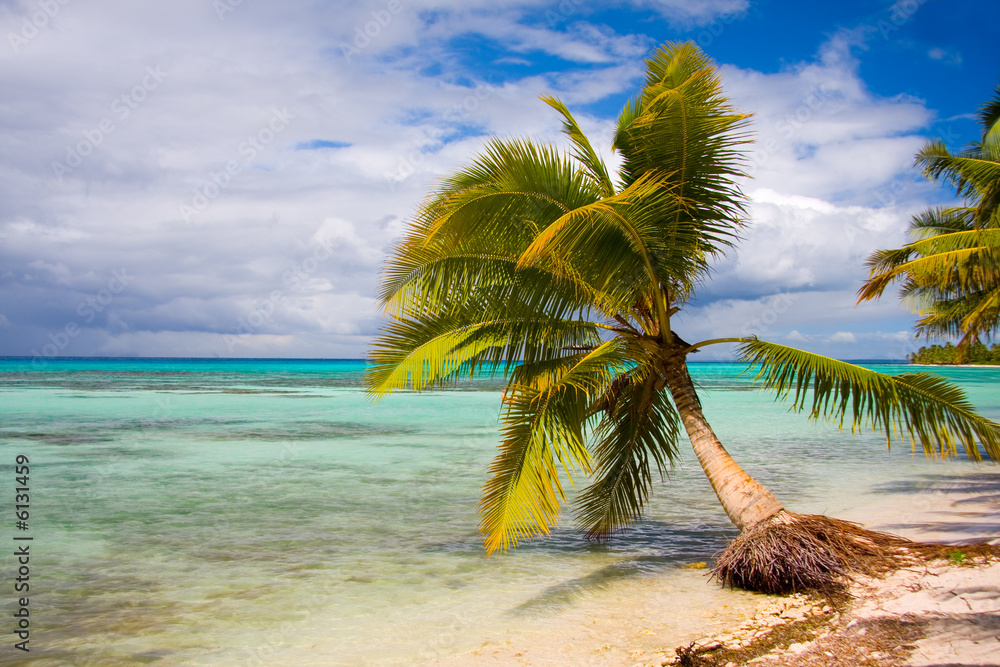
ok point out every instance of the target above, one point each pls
(800, 552)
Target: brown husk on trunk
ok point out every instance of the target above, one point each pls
(807, 552)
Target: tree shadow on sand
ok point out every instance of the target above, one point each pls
(986, 484)
(968, 520)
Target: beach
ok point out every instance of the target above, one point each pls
(949, 614)
(199, 512)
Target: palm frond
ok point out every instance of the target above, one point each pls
(610, 242)
(514, 182)
(941, 220)
(682, 127)
(929, 409)
(983, 318)
(625, 141)
(582, 149)
(950, 273)
(544, 417)
(436, 350)
(989, 119)
(639, 430)
(453, 281)
(965, 259)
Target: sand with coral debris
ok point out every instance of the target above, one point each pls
(929, 615)
(940, 613)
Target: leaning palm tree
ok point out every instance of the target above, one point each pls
(540, 265)
(950, 272)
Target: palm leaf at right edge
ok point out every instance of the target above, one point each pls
(925, 407)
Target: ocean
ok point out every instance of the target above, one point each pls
(225, 512)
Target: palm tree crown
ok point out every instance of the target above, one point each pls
(540, 264)
(950, 272)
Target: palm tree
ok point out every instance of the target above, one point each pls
(540, 264)
(950, 272)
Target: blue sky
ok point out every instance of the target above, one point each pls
(225, 177)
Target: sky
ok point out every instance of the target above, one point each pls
(224, 178)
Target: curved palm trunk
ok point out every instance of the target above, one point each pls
(746, 501)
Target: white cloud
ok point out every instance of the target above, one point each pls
(167, 107)
(699, 13)
(832, 182)
(293, 239)
(945, 55)
(820, 133)
(843, 337)
(796, 243)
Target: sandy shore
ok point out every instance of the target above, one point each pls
(939, 614)
(930, 615)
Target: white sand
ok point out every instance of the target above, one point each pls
(956, 610)
(633, 622)
(960, 604)
(947, 507)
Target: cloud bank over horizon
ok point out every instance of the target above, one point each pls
(224, 178)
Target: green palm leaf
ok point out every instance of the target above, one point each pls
(941, 220)
(950, 273)
(640, 429)
(544, 417)
(617, 244)
(582, 149)
(436, 350)
(683, 125)
(931, 410)
(967, 258)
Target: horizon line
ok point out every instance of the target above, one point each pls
(163, 358)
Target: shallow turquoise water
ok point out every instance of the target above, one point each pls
(227, 512)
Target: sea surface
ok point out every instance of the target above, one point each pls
(225, 512)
